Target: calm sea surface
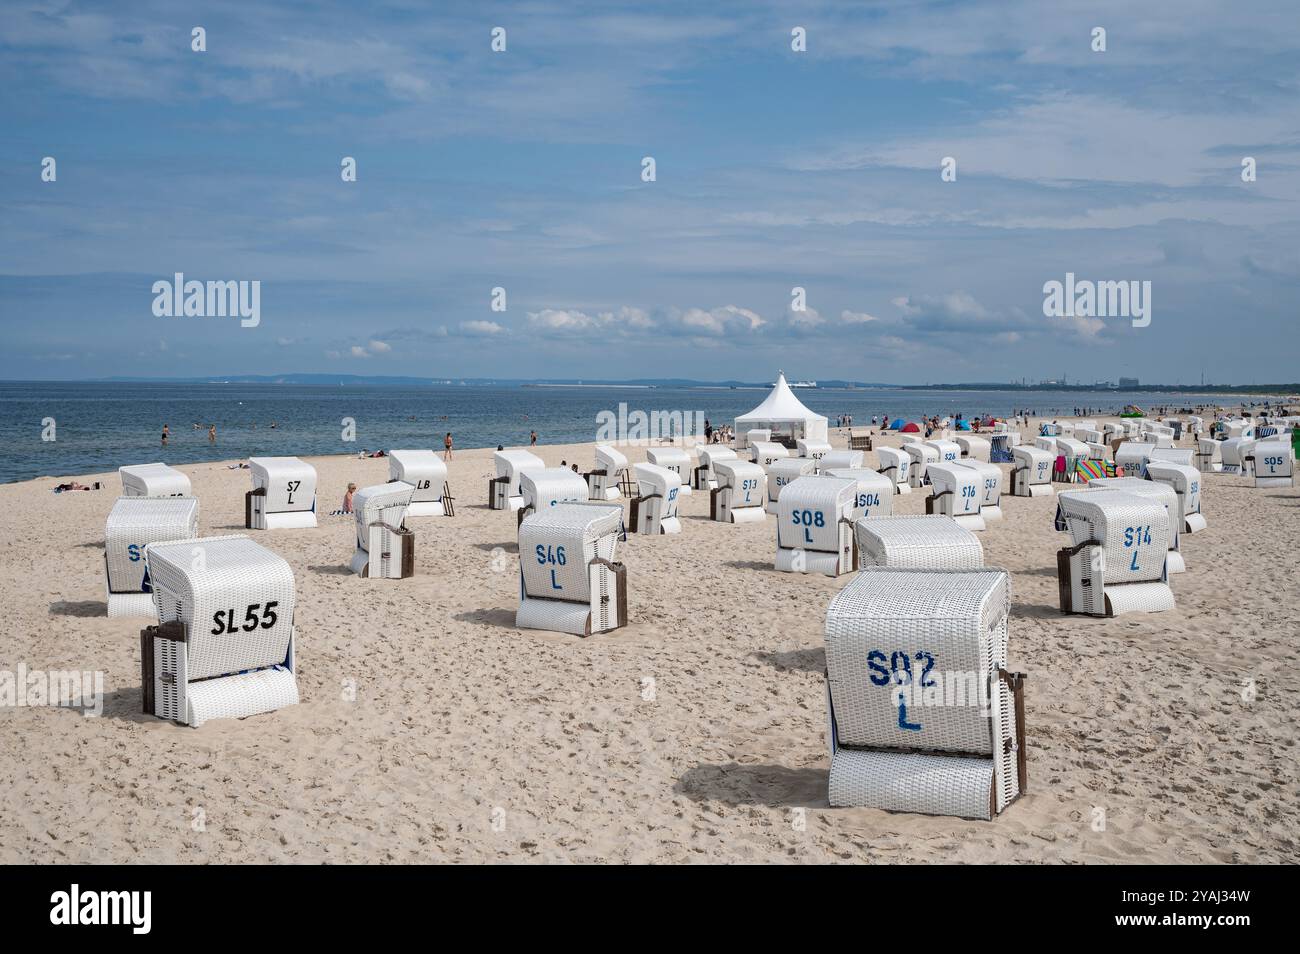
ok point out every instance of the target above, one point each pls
(101, 426)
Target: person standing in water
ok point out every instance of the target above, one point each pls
(212, 433)
(166, 434)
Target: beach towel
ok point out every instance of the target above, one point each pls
(1086, 470)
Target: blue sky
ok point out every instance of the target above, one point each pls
(775, 169)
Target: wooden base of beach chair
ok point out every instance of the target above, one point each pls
(168, 694)
(1080, 573)
(790, 560)
(606, 611)
(942, 747)
(391, 555)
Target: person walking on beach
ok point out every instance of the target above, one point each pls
(708, 431)
(446, 447)
(347, 498)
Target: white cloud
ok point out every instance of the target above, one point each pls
(479, 328)
(856, 317)
(716, 322)
(379, 347)
(804, 320)
(562, 321)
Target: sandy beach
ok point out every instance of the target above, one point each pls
(432, 730)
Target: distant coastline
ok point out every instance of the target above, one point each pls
(345, 380)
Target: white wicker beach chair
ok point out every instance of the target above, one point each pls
(1147, 488)
(875, 495)
(757, 434)
(1000, 448)
(283, 494)
(896, 464)
(224, 644)
(610, 478)
(1273, 464)
(568, 580)
(1073, 451)
(1195, 425)
(949, 451)
(425, 471)
(860, 438)
(1113, 432)
(740, 494)
(974, 448)
(1173, 455)
(1237, 454)
(841, 459)
(704, 477)
(1209, 455)
(923, 454)
(1240, 427)
(956, 491)
(1133, 457)
(676, 459)
(153, 480)
(1132, 426)
(1046, 442)
(133, 523)
(814, 528)
(923, 714)
(1089, 435)
(503, 490)
(1031, 471)
(783, 472)
(385, 547)
(654, 510)
(1186, 482)
(1050, 430)
(544, 487)
(990, 476)
(1072, 448)
(917, 543)
(810, 448)
(1121, 546)
(765, 453)
(1159, 434)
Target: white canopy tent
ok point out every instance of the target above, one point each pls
(784, 415)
